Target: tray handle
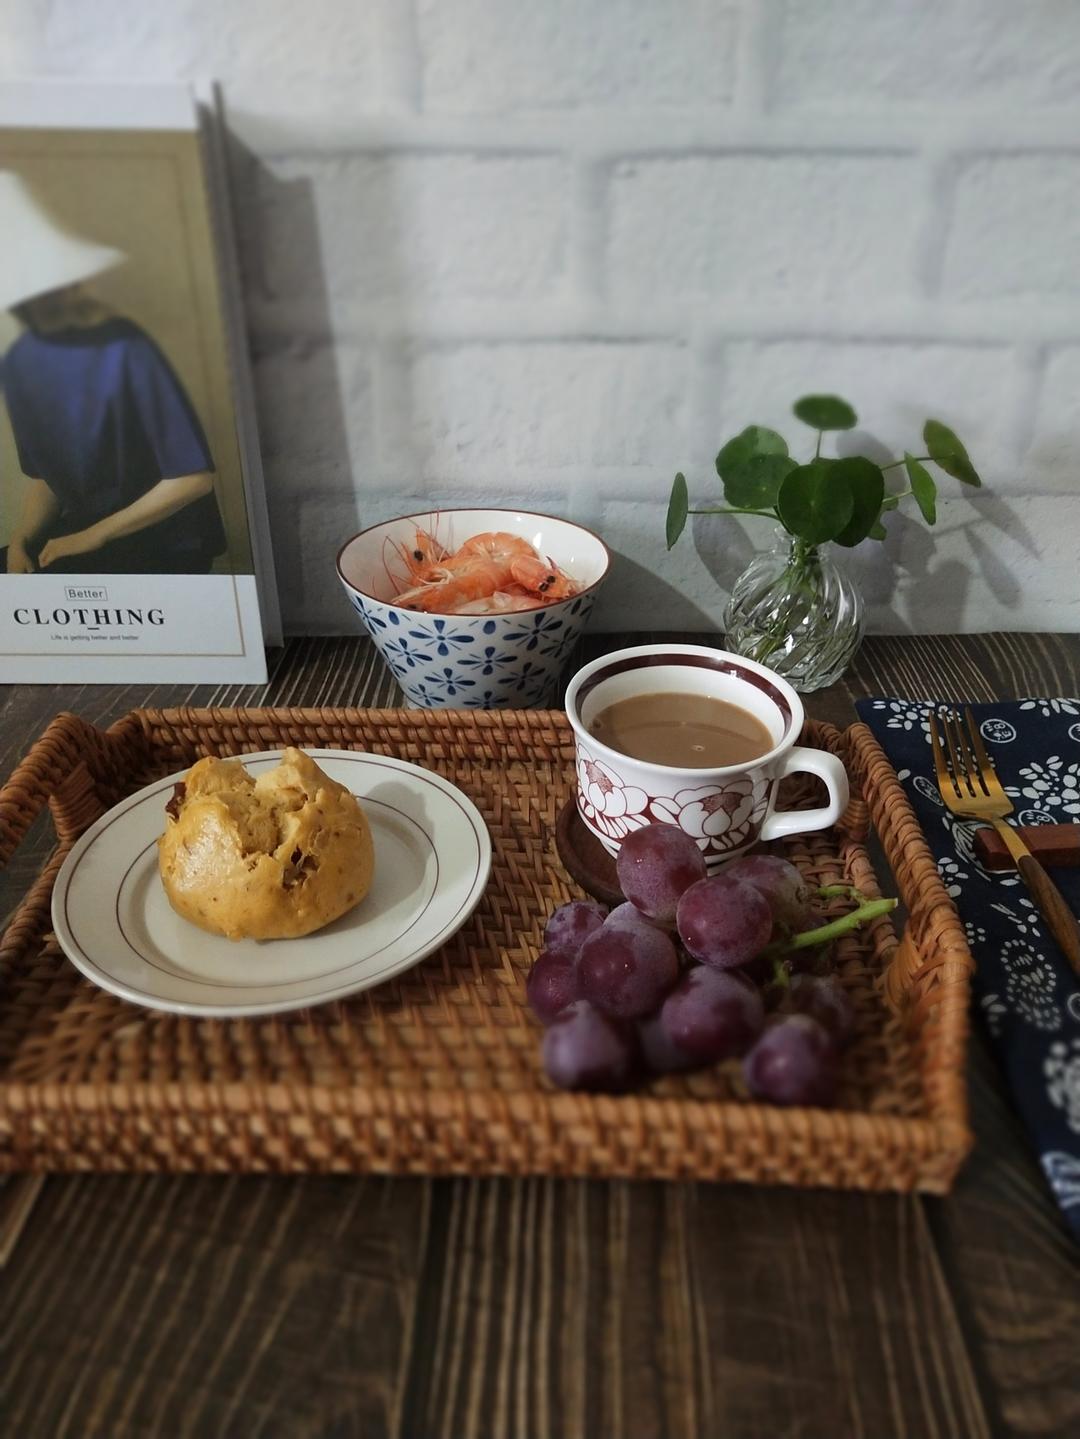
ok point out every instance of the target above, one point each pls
(68, 768)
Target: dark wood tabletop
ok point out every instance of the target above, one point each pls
(333, 1306)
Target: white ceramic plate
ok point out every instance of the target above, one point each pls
(432, 861)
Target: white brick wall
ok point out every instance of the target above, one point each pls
(556, 251)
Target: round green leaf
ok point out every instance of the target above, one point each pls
(812, 505)
(754, 440)
(922, 487)
(826, 412)
(867, 485)
(755, 483)
(945, 450)
(677, 510)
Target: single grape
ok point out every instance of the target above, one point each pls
(627, 969)
(655, 865)
(584, 1049)
(782, 885)
(711, 1015)
(571, 924)
(628, 913)
(794, 1062)
(551, 984)
(825, 999)
(661, 1056)
(724, 922)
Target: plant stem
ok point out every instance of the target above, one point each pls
(817, 452)
(840, 891)
(726, 510)
(869, 909)
(799, 567)
(897, 463)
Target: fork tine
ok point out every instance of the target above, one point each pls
(945, 780)
(972, 769)
(987, 772)
(951, 729)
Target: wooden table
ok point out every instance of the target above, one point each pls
(254, 1306)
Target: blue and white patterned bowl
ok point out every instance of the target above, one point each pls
(500, 661)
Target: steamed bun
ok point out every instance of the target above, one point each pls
(269, 858)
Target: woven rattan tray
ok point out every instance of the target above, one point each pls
(438, 1071)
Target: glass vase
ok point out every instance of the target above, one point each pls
(794, 610)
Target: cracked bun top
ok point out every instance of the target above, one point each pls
(275, 857)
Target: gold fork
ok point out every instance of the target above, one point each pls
(971, 789)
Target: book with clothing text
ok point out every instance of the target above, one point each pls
(134, 542)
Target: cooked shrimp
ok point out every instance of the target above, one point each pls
(498, 545)
(452, 585)
(491, 573)
(542, 578)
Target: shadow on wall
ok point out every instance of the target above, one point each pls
(635, 597)
(914, 581)
(303, 424)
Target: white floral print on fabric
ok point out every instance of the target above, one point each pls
(1052, 785)
(927, 788)
(1050, 707)
(907, 715)
(1030, 986)
(710, 813)
(993, 1012)
(997, 731)
(1026, 919)
(952, 876)
(1063, 1174)
(1034, 817)
(1074, 732)
(615, 808)
(1061, 1069)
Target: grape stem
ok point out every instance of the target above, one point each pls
(840, 891)
(867, 910)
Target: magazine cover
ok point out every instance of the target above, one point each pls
(126, 535)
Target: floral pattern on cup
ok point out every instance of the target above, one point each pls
(605, 801)
(719, 817)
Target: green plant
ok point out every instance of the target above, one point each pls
(825, 499)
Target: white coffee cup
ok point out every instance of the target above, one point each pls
(726, 809)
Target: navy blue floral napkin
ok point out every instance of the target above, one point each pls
(1025, 991)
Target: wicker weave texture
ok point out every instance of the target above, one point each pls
(438, 1070)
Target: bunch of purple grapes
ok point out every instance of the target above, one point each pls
(691, 970)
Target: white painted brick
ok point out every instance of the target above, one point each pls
(1052, 463)
(899, 52)
(815, 226)
(272, 40)
(486, 56)
(893, 386)
(1015, 228)
(315, 411)
(373, 227)
(500, 408)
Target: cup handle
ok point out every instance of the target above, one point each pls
(799, 821)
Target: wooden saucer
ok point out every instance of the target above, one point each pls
(584, 858)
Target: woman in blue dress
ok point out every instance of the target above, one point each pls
(119, 475)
